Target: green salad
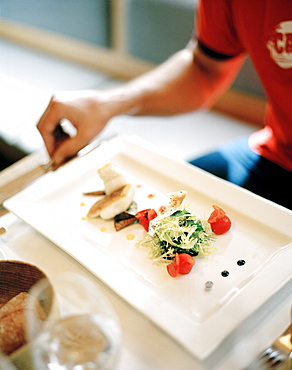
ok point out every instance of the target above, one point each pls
(178, 232)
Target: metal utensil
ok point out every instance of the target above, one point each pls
(14, 186)
(21, 182)
(272, 358)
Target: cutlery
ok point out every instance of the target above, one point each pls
(21, 182)
(273, 358)
(14, 186)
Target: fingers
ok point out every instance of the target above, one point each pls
(66, 150)
(48, 124)
(51, 130)
(60, 134)
(81, 109)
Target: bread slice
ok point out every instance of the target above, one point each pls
(13, 322)
(113, 204)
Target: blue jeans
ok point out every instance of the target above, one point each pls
(237, 163)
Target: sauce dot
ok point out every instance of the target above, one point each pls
(241, 262)
(130, 237)
(83, 204)
(224, 273)
(150, 196)
(208, 285)
(103, 229)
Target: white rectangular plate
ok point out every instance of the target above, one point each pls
(261, 234)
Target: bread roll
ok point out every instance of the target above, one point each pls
(13, 322)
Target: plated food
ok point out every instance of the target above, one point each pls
(196, 311)
(178, 235)
(118, 194)
(175, 235)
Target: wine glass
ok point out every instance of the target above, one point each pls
(87, 334)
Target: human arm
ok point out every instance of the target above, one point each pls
(187, 81)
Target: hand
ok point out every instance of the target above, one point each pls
(86, 110)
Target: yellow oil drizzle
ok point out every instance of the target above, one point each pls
(130, 237)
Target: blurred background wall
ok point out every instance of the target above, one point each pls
(86, 20)
(143, 31)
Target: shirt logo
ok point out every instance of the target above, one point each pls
(280, 44)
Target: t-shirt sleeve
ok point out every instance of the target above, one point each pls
(215, 29)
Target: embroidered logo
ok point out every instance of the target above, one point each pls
(280, 44)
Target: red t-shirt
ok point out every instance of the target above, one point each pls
(263, 29)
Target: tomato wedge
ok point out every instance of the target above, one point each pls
(145, 217)
(173, 268)
(186, 263)
(182, 264)
(220, 223)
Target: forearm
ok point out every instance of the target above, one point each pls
(187, 81)
(183, 83)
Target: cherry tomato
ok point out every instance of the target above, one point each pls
(182, 264)
(186, 263)
(145, 217)
(173, 268)
(219, 221)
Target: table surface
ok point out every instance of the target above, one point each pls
(145, 346)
